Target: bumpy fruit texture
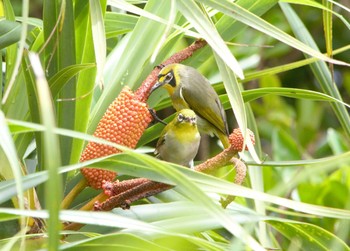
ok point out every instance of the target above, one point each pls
(236, 139)
(123, 123)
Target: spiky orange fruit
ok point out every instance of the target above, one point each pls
(236, 139)
(123, 123)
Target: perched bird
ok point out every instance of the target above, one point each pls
(189, 89)
(179, 140)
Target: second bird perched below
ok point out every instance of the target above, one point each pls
(189, 89)
(179, 140)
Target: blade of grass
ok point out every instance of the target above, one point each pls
(51, 153)
(10, 167)
(61, 78)
(261, 25)
(10, 33)
(311, 236)
(198, 19)
(127, 7)
(119, 23)
(326, 7)
(11, 51)
(320, 69)
(66, 56)
(234, 94)
(328, 27)
(340, 5)
(22, 41)
(287, 67)
(253, 94)
(226, 25)
(99, 38)
(85, 81)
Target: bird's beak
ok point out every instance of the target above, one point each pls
(190, 120)
(156, 86)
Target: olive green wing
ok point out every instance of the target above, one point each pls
(204, 101)
(161, 140)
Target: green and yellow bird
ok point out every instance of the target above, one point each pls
(179, 140)
(189, 89)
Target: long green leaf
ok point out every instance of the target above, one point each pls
(234, 94)
(287, 67)
(130, 8)
(86, 79)
(320, 69)
(11, 51)
(119, 23)
(258, 23)
(308, 236)
(325, 8)
(51, 152)
(19, 54)
(66, 56)
(208, 32)
(229, 28)
(99, 39)
(61, 78)
(251, 95)
(328, 27)
(10, 33)
(10, 167)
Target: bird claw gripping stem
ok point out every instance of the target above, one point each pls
(155, 117)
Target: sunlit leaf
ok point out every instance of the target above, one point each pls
(310, 237)
(10, 33)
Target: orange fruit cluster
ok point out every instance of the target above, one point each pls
(123, 123)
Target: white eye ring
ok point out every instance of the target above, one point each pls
(168, 77)
(180, 117)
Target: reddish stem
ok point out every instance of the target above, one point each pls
(143, 92)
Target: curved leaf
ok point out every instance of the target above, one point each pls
(208, 32)
(258, 23)
(251, 95)
(308, 236)
(119, 23)
(61, 78)
(10, 33)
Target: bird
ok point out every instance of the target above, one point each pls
(189, 89)
(179, 140)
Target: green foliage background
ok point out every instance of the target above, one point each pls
(57, 53)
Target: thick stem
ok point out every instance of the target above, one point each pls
(117, 187)
(87, 207)
(145, 189)
(216, 162)
(143, 92)
(80, 186)
(241, 172)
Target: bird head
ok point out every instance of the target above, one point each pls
(168, 78)
(186, 116)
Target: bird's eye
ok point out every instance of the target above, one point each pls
(168, 77)
(180, 118)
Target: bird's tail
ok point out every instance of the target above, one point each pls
(224, 139)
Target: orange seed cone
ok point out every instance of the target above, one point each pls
(123, 123)
(236, 139)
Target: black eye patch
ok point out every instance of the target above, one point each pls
(167, 78)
